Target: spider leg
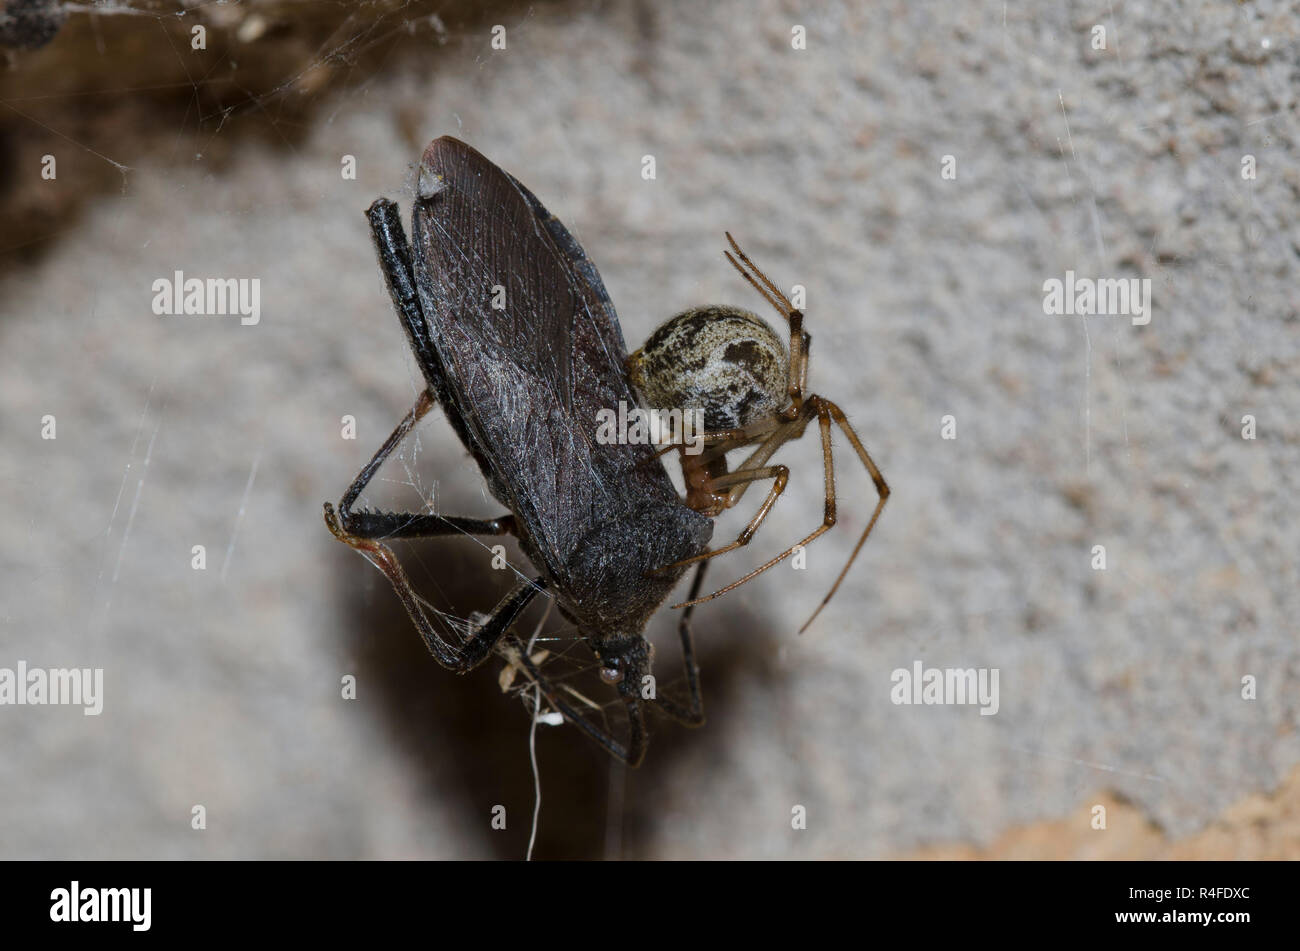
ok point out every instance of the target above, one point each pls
(799, 341)
(769, 290)
(828, 520)
(775, 436)
(882, 490)
(733, 438)
(719, 442)
(780, 475)
(749, 472)
(723, 441)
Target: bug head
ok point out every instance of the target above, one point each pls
(624, 661)
(723, 360)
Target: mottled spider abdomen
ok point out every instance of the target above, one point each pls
(723, 360)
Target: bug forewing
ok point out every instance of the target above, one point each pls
(529, 378)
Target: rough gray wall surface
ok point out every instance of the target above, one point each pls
(924, 299)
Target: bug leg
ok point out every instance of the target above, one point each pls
(455, 657)
(636, 735)
(394, 252)
(416, 413)
(498, 622)
(395, 261)
(631, 753)
(372, 525)
(363, 531)
(692, 714)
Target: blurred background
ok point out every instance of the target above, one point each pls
(920, 168)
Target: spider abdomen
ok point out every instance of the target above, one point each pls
(723, 360)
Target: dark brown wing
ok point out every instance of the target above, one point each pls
(528, 378)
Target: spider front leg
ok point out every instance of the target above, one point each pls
(702, 487)
(882, 493)
(799, 340)
(822, 408)
(780, 476)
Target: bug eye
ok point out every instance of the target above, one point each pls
(611, 675)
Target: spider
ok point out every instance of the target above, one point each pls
(753, 391)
